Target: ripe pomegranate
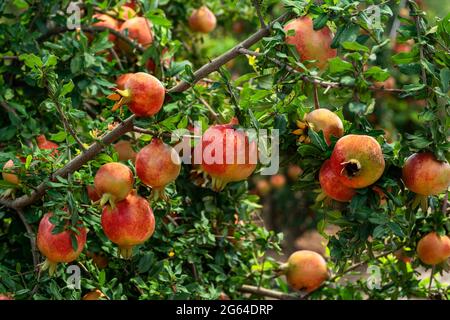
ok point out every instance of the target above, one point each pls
(226, 154)
(113, 181)
(138, 29)
(403, 47)
(305, 269)
(5, 297)
(130, 223)
(433, 249)
(94, 295)
(157, 165)
(58, 247)
(131, 4)
(125, 150)
(92, 193)
(326, 121)
(331, 186)
(278, 181)
(263, 187)
(389, 83)
(143, 94)
(202, 20)
(107, 22)
(423, 174)
(121, 80)
(44, 144)
(357, 160)
(294, 171)
(311, 44)
(10, 177)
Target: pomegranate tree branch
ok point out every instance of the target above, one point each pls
(7, 107)
(32, 236)
(67, 126)
(256, 4)
(93, 29)
(321, 83)
(215, 64)
(267, 292)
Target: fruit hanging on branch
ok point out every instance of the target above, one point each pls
(113, 182)
(44, 144)
(94, 295)
(226, 154)
(107, 22)
(138, 29)
(157, 165)
(311, 44)
(202, 20)
(425, 175)
(357, 160)
(305, 270)
(142, 93)
(129, 224)
(125, 150)
(320, 120)
(65, 246)
(433, 249)
(92, 193)
(8, 174)
(331, 186)
(121, 80)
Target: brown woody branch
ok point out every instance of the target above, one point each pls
(267, 292)
(127, 125)
(314, 81)
(258, 13)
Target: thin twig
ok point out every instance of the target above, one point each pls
(316, 97)
(267, 292)
(114, 53)
(7, 107)
(258, 12)
(32, 236)
(213, 113)
(67, 125)
(396, 23)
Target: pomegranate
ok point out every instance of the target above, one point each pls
(226, 154)
(294, 171)
(263, 187)
(423, 174)
(113, 181)
(157, 165)
(305, 269)
(433, 249)
(107, 22)
(357, 160)
(10, 177)
(125, 150)
(331, 186)
(130, 223)
(58, 247)
(92, 193)
(5, 297)
(311, 44)
(143, 94)
(138, 29)
(202, 20)
(278, 181)
(44, 144)
(121, 80)
(94, 295)
(326, 121)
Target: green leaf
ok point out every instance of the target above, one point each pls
(354, 46)
(320, 21)
(445, 78)
(67, 88)
(377, 73)
(337, 65)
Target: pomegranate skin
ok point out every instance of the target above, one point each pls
(92, 193)
(121, 80)
(330, 184)
(139, 29)
(125, 150)
(130, 223)
(425, 175)
(311, 44)
(44, 144)
(146, 94)
(58, 247)
(115, 180)
(433, 249)
(108, 22)
(157, 165)
(10, 177)
(202, 20)
(5, 297)
(306, 270)
(357, 160)
(232, 142)
(326, 121)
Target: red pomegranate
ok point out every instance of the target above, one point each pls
(5, 297)
(58, 247)
(125, 150)
(433, 249)
(143, 94)
(121, 80)
(226, 154)
(92, 193)
(10, 177)
(425, 175)
(108, 22)
(113, 181)
(157, 165)
(44, 144)
(202, 20)
(331, 185)
(357, 160)
(311, 44)
(130, 223)
(138, 29)
(326, 121)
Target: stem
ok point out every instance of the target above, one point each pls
(267, 292)
(258, 13)
(316, 97)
